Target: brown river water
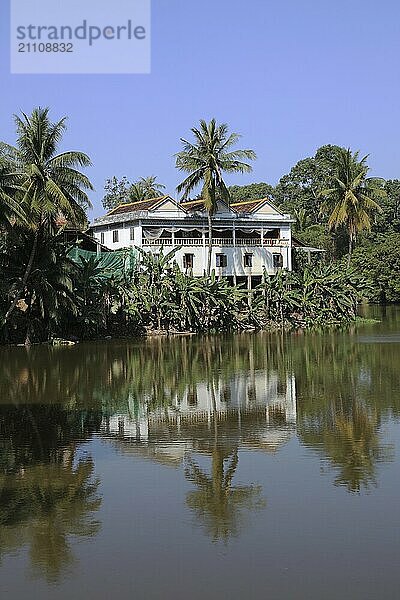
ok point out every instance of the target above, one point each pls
(239, 467)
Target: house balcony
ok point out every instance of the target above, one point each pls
(224, 242)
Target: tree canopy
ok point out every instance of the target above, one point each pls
(121, 191)
(351, 199)
(252, 191)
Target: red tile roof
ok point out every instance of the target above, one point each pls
(142, 205)
(192, 205)
(247, 206)
(242, 206)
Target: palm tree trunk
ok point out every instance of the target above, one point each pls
(25, 277)
(350, 249)
(209, 245)
(28, 334)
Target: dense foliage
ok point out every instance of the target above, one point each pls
(252, 191)
(47, 292)
(377, 258)
(121, 191)
(80, 299)
(366, 216)
(351, 199)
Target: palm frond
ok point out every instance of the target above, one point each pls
(206, 159)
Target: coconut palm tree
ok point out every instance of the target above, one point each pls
(352, 198)
(150, 187)
(206, 159)
(10, 185)
(52, 184)
(145, 188)
(303, 220)
(136, 193)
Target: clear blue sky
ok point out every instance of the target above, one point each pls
(289, 75)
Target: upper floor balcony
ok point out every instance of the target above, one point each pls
(228, 238)
(229, 242)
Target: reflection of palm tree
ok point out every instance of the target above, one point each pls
(45, 504)
(217, 503)
(351, 442)
(355, 447)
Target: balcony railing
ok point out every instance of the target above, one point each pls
(227, 242)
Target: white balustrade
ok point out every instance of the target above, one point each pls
(157, 242)
(225, 242)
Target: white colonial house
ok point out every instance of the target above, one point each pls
(248, 236)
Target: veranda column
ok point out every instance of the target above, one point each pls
(234, 252)
(139, 230)
(203, 239)
(290, 266)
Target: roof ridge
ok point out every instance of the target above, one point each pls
(201, 201)
(191, 201)
(259, 201)
(250, 201)
(137, 202)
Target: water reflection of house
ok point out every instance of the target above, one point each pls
(256, 410)
(127, 426)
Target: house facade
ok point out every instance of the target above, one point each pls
(247, 236)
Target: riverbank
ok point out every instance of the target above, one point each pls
(156, 296)
(274, 328)
(158, 299)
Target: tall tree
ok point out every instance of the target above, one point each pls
(52, 185)
(121, 191)
(136, 193)
(145, 188)
(351, 200)
(206, 159)
(151, 188)
(10, 186)
(300, 188)
(116, 192)
(388, 221)
(252, 191)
